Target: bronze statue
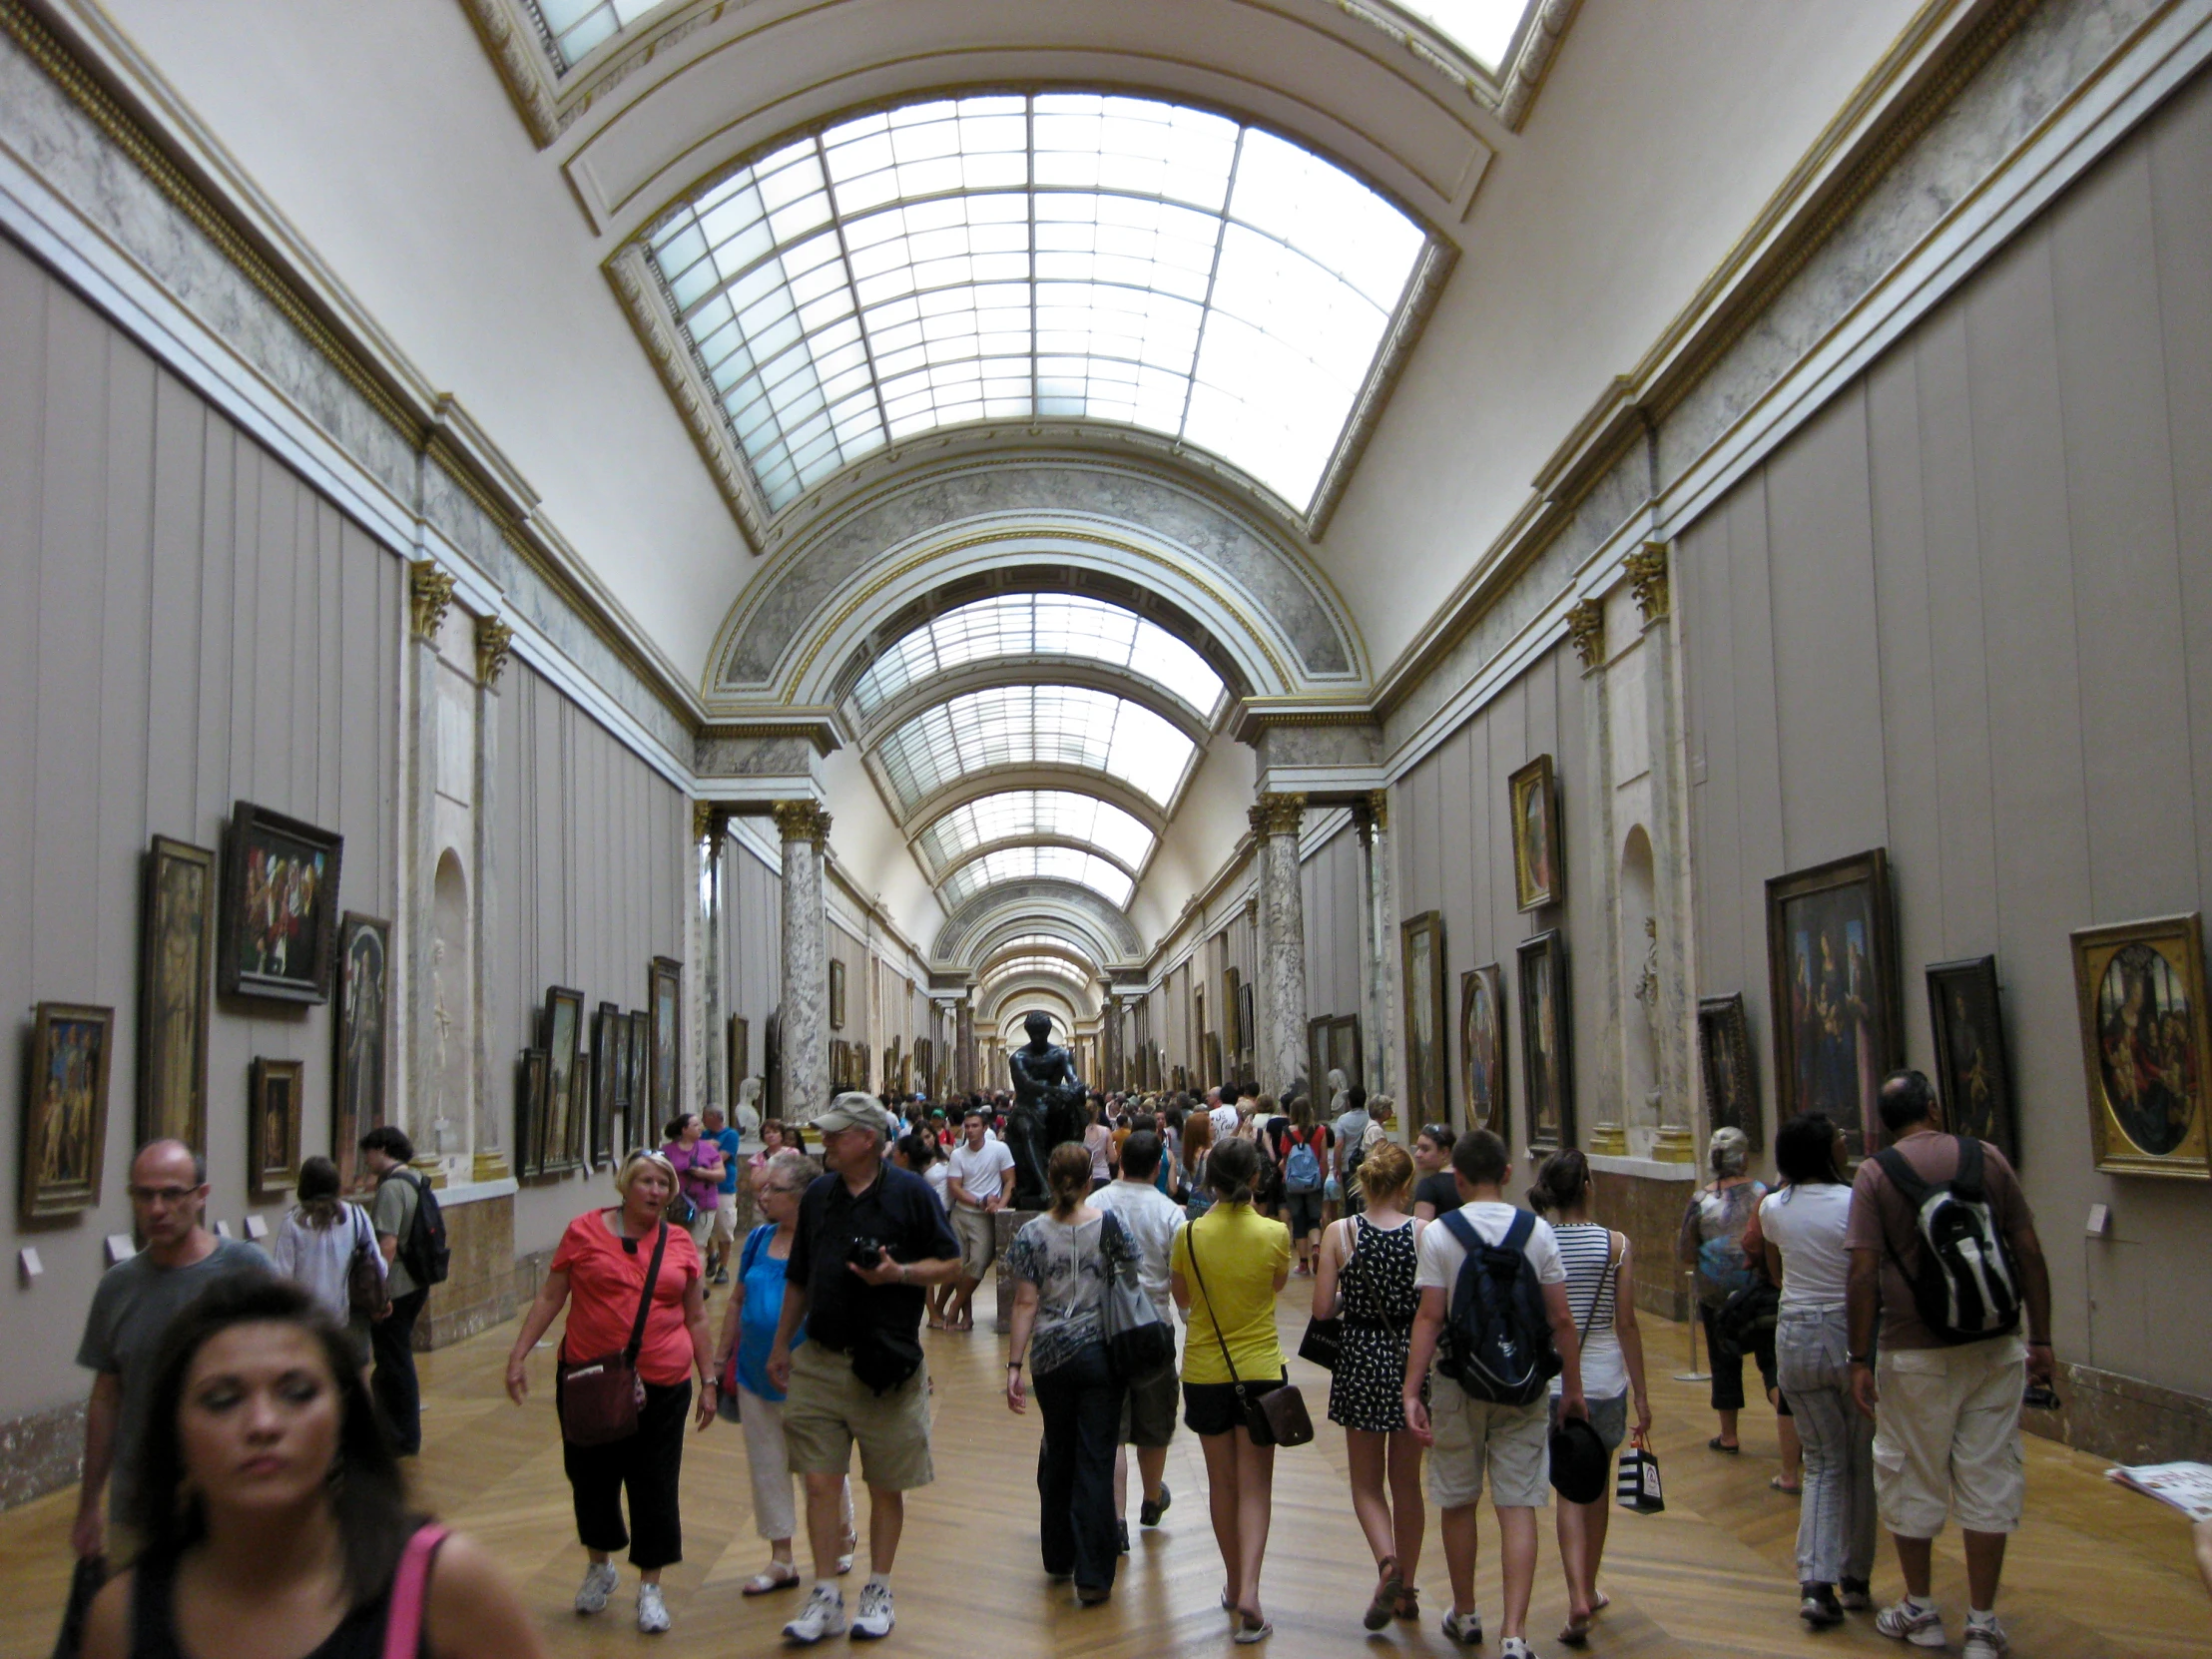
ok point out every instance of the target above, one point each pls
(1047, 1109)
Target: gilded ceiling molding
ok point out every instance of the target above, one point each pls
(802, 821)
(429, 593)
(1647, 576)
(493, 640)
(1587, 628)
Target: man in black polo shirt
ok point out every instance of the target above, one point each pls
(871, 1240)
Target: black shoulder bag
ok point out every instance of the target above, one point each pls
(1277, 1418)
(600, 1397)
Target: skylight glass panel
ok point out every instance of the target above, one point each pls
(1484, 27)
(1040, 625)
(1035, 725)
(576, 26)
(1022, 863)
(1031, 943)
(1058, 968)
(1018, 813)
(1061, 255)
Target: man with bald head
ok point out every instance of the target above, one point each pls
(131, 1311)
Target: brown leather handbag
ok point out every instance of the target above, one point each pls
(600, 1397)
(1277, 1418)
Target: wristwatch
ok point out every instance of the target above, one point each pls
(1859, 1359)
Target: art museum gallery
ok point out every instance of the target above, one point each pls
(1609, 569)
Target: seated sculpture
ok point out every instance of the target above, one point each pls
(1047, 1109)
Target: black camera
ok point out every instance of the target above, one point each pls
(867, 1254)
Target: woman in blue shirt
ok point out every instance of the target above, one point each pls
(748, 1332)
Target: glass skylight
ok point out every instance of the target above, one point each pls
(579, 25)
(1016, 813)
(1031, 943)
(1040, 625)
(1056, 967)
(1021, 863)
(1035, 725)
(1484, 27)
(1007, 257)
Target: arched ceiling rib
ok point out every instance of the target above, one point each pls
(1040, 860)
(1106, 933)
(1019, 815)
(1028, 725)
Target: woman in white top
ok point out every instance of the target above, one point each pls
(1803, 1228)
(315, 1242)
(1601, 1294)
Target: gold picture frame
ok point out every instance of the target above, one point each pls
(2140, 988)
(837, 994)
(176, 990)
(1427, 1067)
(1539, 877)
(273, 1126)
(65, 1116)
(1485, 1087)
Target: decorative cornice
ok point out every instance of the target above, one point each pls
(818, 728)
(429, 593)
(493, 639)
(1647, 575)
(1277, 814)
(1587, 628)
(802, 821)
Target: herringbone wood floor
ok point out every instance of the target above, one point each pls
(2097, 1573)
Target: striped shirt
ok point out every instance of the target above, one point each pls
(1586, 1247)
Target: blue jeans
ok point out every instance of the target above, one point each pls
(1082, 1404)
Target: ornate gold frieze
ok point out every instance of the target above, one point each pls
(802, 821)
(429, 594)
(1278, 815)
(1587, 627)
(493, 640)
(1647, 575)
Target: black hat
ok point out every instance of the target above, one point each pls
(1579, 1461)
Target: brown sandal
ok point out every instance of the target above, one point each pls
(1386, 1591)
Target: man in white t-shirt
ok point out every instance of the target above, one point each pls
(1148, 1410)
(1466, 1435)
(1224, 1116)
(980, 1184)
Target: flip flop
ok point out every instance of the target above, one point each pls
(768, 1582)
(1575, 1634)
(1780, 1485)
(1600, 1603)
(1716, 1443)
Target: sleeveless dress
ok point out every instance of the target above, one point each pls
(1377, 1302)
(359, 1635)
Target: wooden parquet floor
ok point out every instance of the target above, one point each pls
(2097, 1573)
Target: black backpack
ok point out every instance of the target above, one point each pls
(425, 1251)
(1967, 1286)
(1498, 1336)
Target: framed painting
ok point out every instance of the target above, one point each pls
(837, 994)
(1547, 1042)
(610, 1037)
(276, 935)
(1422, 951)
(1317, 1059)
(1833, 983)
(1725, 1066)
(1965, 1018)
(739, 1056)
(772, 1064)
(1248, 1018)
(561, 1035)
(925, 1067)
(2144, 1044)
(1482, 1098)
(864, 1067)
(530, 1114)
(1534, 795)
(64, 1118)
(1210, 1046)
(1344, 1051)
(663, 1064)
(176, 985)
(1233, 1035)
(272, 1125)
(360, 1069)
(638, 1106)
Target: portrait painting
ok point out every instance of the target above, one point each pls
(1725, 1066)
(530, 1114)
(610, 1035)
(1971, 1074)
(1833, 972)
(1547, 1046)
(65, 1120)
(176, 985)
(640, 1106)
(864, 1067)
(1421, 953)
(1533, 793)
(1210, 1046)
(359, 1068)
(276, 937)
(2140, 986)
(561, 1034)
(1483, 1052)
(837, 994)
(666, 1005)
(272, 1125)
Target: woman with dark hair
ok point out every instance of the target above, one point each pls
(1802, 1229)
(1435, 1192)
(1224, 1272)
(1198, 1146)
(1304, 1183)
(272, 1510)
(1099, 1142)
(1060, 1264)
(697, 1165)
(316, 1242)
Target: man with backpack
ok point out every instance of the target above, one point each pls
(1945, 1259)
(411, 1234)
(1494, 1317)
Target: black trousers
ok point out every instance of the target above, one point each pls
(649, 1466)
(392, 1383)
(1081, 1404)
(1727, 1367)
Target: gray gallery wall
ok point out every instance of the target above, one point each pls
(1336, 939)
(186, 625)
(1966, 614)
(751, 947)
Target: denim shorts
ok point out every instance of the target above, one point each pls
(1608, 1417)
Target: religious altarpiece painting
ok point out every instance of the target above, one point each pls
(567, 1084)
(665, 1001)
(2144, 1044)
(609, 1041)
(1533, 793)
(639, 1105)
(1725, 1066)
(360, 1069)
(1833, 980)
(1421, 951)
(276, 935)
(176, 989)
(1482, 1076)
(530, 1114)
(1965, 1018)
(64, 1118)
(1547, 1042)
(272, 1125)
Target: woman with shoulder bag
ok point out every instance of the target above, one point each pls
(1198, 1146)
(1224, 1272)
(329, 1248)
(637, 1323)
(1711, 1241)
(698, 1166)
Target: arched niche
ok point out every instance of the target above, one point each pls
(1640, 981)
(452, 1067)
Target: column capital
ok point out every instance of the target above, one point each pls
(1647, 575)
(493, 639)
(1587, 627)
(1375, 812)
(429, 593)
(710, 821)
(802, 821)
(1277, 814)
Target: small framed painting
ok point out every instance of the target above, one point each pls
(530, 1114)
(1547, 1046)
(1831, 968)
(567, 1087)
(65, 1120)
(2144, 1044)
(278, 934)
(1971, 1076)
(665, 1002)
(175, 987)
(360, 1070)
(1421, 947)
(837, 994)
(609, 1036)
(1483, 1052)
(1533, 792)
(1725, 1064)
(640, 1102)
(272, 1119)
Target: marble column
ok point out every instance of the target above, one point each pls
(1109, 1046)
(1282, 989)
(805, 829)
(963, 1046)
(493, 641)
(430, 596)
(1379, 1053)
(1607, 1124)
(711, 828)
(1675, 1138)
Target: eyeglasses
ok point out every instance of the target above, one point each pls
(163, 1195)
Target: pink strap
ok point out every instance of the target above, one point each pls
(404, 1623)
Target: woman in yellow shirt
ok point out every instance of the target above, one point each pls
(1225, 1271)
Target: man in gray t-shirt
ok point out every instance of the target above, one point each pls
(131, 1313)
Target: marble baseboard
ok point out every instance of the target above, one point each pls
(1649, 1211)
(2126, 1418)
(40, 1453)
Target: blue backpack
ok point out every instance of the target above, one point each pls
(1498, 1336)
(1301, 1170)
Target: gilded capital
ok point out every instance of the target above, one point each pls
(493, 638)
(710, 821)
(1278, 815)
(429, 592)
(1587, 627)
(1378, 808)
(802, 821)
(1647, 574)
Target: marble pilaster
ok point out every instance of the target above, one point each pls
(804, 1084)
(429, 595)
(1379, 1051)
(1281, 988)
(963, 1046)
(1605, 1123)
(712, 826)
(493, 637)
(1681, 1118)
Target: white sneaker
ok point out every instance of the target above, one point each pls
(823, 1615)
(652, 1610)
(874, 1619)
(1985, 1641)
(598, 1586)
(1922, 1626)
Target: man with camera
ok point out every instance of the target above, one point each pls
(872, 1239)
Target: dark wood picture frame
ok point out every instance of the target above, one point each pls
(272, 1122)
(1248, 1021)
(1423, 965)
(1234, 1035)
(1532, 795)
(1973, 1075)
(1727, 1070)
(1546, 1041)
(610, 1038)
(176, 991)
(737, 1057)
(1347, 1052)
(2121, 973)
(65, 1109)
(1485, 1100)
(361, 1067)
(665, 1062)
(530, 1114)
(567, 1085)
(772, 1066)
(640, 1106)
(261, 850)
(1831, 966)
(837, 994)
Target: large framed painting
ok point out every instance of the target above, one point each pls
(65, 1120)
(1725, 1066)
(1422, 951)
(530, 1114)
(567, 1084)
(276, 937)
(2144, 1043)
(739, 1056)
(361, 1068)
(1547, 1042)
(1210, 1050)
(837, 994)
(1965, 1017)
(1833, 978)
(1344, 1051)
(272, 1125)
(1317, 1057)
(641, 1089)
(1533, 792)
(663, 1064)
(925, 1066)
(864, 1067)
(176, 985)
(1482, 1096)
(610, 1037)
(1234, 1037)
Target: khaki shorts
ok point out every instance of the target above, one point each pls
(726, 1220)
(829, 1409)
(1514, 1441)
(1947, 1438)
(977, 1231)
(1148, 1410)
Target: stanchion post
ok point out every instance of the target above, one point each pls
(1692, 1374)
